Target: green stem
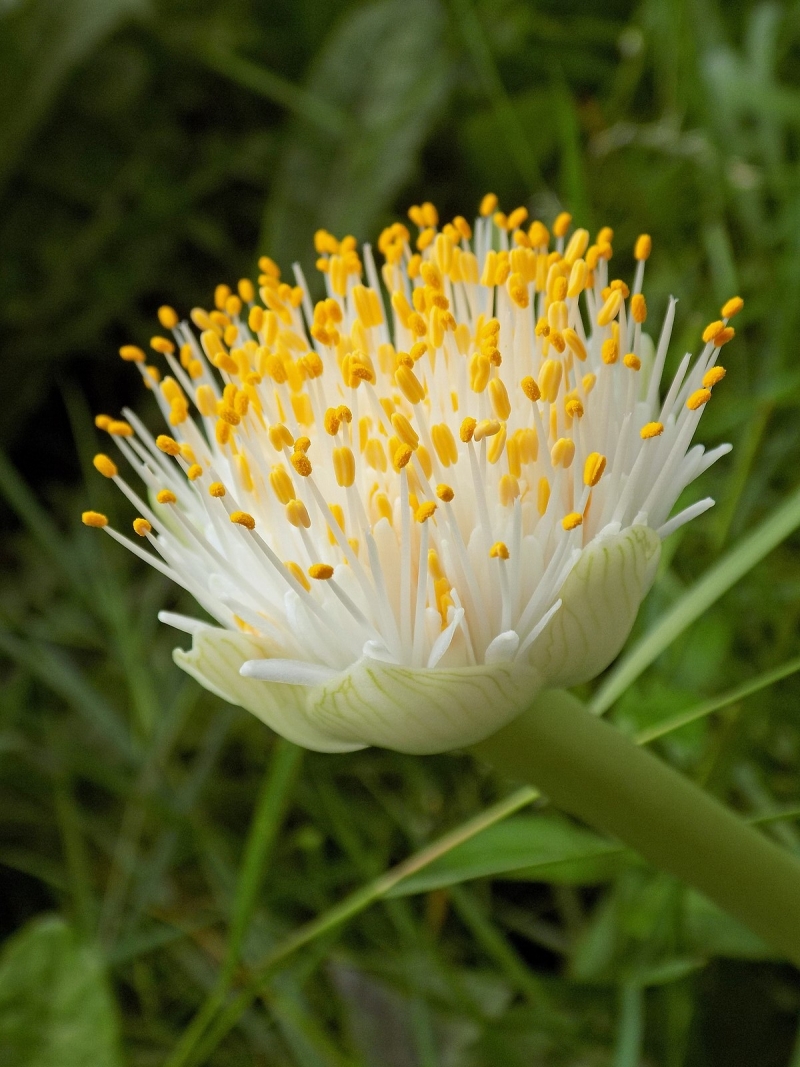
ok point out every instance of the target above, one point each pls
(593, 771)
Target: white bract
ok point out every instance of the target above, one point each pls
(410, 507)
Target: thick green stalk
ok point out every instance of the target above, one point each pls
(593, 771)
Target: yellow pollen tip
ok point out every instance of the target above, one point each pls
(162, 345)
(488, 205)
(424, 511)
(467, 431)
(651, 429)
(102, 422)
(168, 444)
(119, 428)
(301, 463)
(320, 571)
(242, 518)
(107, 467)
(632, 361)
(561, 224)
(593, 468)
(732, 307)
(216, 489)
(444, 492)
(643, 246)
(402, 457)
(724, 336)
(132, 354)
(194, 472)
(713, 377)
(94, 518)
(698, 398)
(530, 388)
(572, 521)
(499, 550)
(141, 527)
(166, 496)
(711, 331)
(168, 317)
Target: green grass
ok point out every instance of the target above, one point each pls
(200, 865)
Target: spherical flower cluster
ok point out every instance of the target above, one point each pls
(409, 506)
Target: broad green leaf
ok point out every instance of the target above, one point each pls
(386, 68)
(56, 1007)
(41, 42)
(533, 847)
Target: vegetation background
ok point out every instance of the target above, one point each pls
(157, 848)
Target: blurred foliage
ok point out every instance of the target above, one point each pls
(152, 840)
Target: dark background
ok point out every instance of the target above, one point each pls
(151, 150)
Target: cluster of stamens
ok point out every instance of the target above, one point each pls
(411, 466)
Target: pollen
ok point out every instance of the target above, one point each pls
(530, 389)
(166, 496)
(713, 377)
(698, 398)
(499, 550)
(572, 521)
(593, 468)
(94, 518)
(321, 572)
(651, 429)
(141, 527)
(168, 444)
(132, 354)
(444, 492)
(243, 518)
(425, 511)
(194, 472)
(643, 247)
(168, 317)
(732, 307)
(632, 361)
(216, 489)
(107, 467)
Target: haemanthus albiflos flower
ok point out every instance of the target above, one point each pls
(410, 507)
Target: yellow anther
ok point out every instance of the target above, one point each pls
(280, 437)
(498, 395)
(320, 572)
(405, 431)
(486, 428)
(444, 492)
(577, 245)
(588, 381)
(118, 428)
(488, 205)
(94, 518)
(331, 422)
(141, 527)
(574, 343)
(542, 496)
(206, 400)
(712, 330)
(467, 431)
(344, 466)
(572, 521)
(194, 472)
(573, 407)
(107, 467)
(632, 361)
(297, 514)
(444, 443)
(425, 510)
(593, 468)
(610, 309)
(216, 489)
(557, 341)
(102, 422)
(538, 234)
(228, 415)
(409, 384)
(301, 463)
(221, 294)
(132, 354)
(162, 345)
(168, 444)
(417, 324)
(563, 452)
(497, 445)
(418, 350)
(246, 290)
(550, 380)
(651, 429)
(281, 484)
(516, 218)
(297, 574)
(577, 278)
(401, 457)
(530, 388)
(698, 398)
(508, 490)
(561, 224)
(479, 371)
(713, 377)
(431, 275)
(732, 307)
(643, 246)
(168, 317)
(638, 308)
(609, 350)
(243, 518)
(724, 336)
(499, 550)
(166, 496)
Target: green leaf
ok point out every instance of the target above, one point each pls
(56, 1007)
(386, 68)
(528, 847)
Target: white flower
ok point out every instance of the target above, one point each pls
(407, 516)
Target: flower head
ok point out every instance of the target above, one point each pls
(409, 507)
